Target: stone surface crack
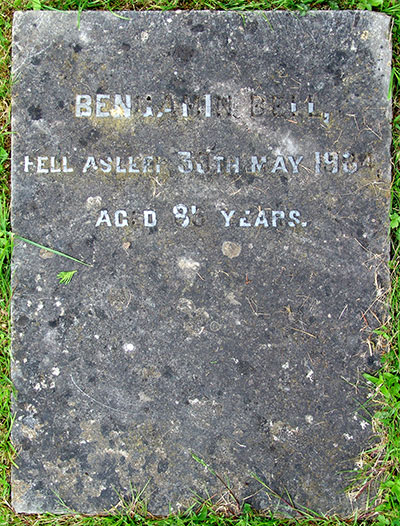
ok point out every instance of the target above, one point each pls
(94, 400)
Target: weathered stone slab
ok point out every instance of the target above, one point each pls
(227, 178)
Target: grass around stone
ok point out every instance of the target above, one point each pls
(378, 466)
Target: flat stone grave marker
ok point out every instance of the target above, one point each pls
(226, 176)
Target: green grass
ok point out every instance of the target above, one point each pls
(381, 463)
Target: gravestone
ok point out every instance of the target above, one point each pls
(226, 179)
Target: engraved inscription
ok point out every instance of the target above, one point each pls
(208, 105)
(200, 163)
(193, 215)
